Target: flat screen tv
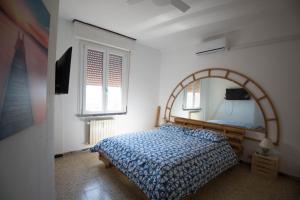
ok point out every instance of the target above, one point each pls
(237, 94)
(62, 73)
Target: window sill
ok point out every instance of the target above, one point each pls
(192, 109)
(93, 116)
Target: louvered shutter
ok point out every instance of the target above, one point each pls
(197, 86)
(115, 64)
(192, 95)
(189, 88)
(114, 82)
(197, 94)
(94, 68)
(189, 96)
(94, 80)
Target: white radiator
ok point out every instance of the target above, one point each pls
(100, 129)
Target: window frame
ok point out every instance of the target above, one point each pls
(184, 102)
(107, 50)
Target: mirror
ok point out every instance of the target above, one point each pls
(221, 101)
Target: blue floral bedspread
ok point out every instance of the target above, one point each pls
(168, 163)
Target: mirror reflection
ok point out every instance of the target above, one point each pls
(220, 101)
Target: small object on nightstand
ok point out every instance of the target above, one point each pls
(266, 145)
(266, 165)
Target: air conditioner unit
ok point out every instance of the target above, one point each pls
(212, 46)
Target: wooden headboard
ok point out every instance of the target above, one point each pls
(235, 135)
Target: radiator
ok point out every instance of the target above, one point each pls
(100, 129)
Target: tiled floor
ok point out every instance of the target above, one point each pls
(82, 176)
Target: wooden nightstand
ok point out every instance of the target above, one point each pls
(265, 165)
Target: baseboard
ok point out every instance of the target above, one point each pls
(70, 152)
(58, 155)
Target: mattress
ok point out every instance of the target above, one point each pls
(235, 123)
(168, 163)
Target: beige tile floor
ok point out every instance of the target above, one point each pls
(81, 176)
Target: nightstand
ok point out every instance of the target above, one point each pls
(266, 165)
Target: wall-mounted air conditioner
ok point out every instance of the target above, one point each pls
(212, 46)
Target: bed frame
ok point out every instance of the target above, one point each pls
(235, 135)
(108, 164)
(235, 138)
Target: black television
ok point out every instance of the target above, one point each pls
(237, 94)
(62, 73)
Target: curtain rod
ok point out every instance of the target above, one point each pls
(76, 20)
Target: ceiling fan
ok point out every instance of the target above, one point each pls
(179, 4)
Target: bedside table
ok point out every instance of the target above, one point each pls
(266, 165)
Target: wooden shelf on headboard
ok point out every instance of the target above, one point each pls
(235, 135)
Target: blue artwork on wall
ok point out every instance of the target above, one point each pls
(24, 28)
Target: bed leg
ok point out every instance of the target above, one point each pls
(106, 162)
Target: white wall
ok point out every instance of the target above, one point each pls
(70, 131)
(275, 67)
(27, 159)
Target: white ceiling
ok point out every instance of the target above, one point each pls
(165, 27)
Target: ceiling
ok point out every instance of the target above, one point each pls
(165, 27)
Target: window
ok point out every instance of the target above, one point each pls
(191, 96)
(104, 79)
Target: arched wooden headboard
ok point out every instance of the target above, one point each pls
(271, 120)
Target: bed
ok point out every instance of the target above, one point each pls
(237, 124)
(170, 162)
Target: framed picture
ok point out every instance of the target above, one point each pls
(24, 33)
